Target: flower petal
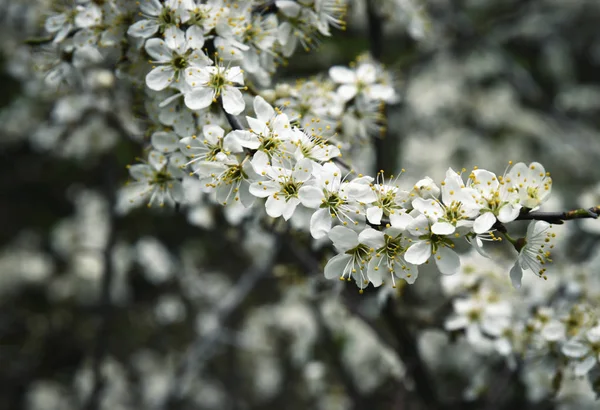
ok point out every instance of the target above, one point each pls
(484, 222)
(199, 98)
(447, 261)
(320, 223)
(233, 100)
(516, 274)
(343, 238)
(160, 78)
(336, 265)
(418, 253)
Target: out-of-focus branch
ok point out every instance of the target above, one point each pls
(408, 351)
(203, 347)
(407, 347)
(105, 307)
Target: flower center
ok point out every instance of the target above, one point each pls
(332, 201)
(179, 62)
(167, 17)
(290, 190)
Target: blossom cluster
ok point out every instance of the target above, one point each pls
(378, 228)
(558, 321)
(204, 52)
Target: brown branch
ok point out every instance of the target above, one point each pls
(560, 217)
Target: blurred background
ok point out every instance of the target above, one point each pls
(191, 309)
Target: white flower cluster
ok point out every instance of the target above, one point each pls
(275, 160)
(558, 321)
(377, 228)
(240, 35)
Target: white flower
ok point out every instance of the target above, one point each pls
(334, 199)
(585, 352)
(532, 184)
(480, 314)
(267, 132)
(390, 202)
(428, 244)
(210, 83)
(281, 188)
(312, 147)
(389, 259)
(355, 251)
(165, 142)
(159, 180)
(496, 198)
(534, 251)
(158, 16)
(454, 211)
(173, 56)
(229, 178)
(78, 18)
(363, 119)
(425, 188)
(363, 80)
(215, 146)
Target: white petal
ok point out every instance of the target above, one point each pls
(310, 196)
(343, 238)
(509, 213)
(374, 215)
(88, 16)
(303, 170)
(160, 78)
(342, 75)
(442, 228)
(151, 7)
(195, 37)
(263, 109)
(593, 335)
(574, 349)
(582, 368)
(264, 189)
(175, 39)
(143, 29)
(55, 23)
(288, 7)
(320, 223)
(290, 207)
(347, 91)
(199, 98)
(158, 50)
(372, 238)
(245, 139)
(418, 253)
(400, 220)
(336, 265)
(484, 222)
(260, 162)
(233, 100)
(235, 75)
(366, 73)
(275, 206)
(447, 261)
(516, 274)
(456, 322)
(165, 141)
(375, 276)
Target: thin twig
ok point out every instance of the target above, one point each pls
(561, 217)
